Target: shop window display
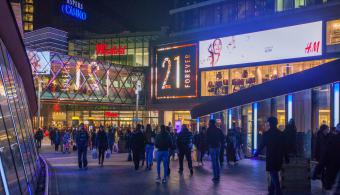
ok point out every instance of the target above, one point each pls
(227, 81)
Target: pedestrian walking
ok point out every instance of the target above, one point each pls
(57, 139)
(185, 144)
(67, 142)
(93, 138)
(273, 141)
(330, 161)
(320, 150)
(172, 150)
(102, 144)
(39, 135)
(202, 144)
(137, 145)
(231, 146)
(290, 133)
(214, 141)
(111, 138)
(150, 145)
(163, 144)
(82, 141)
(52, 135)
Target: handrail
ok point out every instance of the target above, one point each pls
(47, 179)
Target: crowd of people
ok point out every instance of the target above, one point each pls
(143, 144)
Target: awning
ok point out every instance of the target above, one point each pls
(314, 77)
(10, 35)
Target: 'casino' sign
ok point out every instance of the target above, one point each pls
(74, 8)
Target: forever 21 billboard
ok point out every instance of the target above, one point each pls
(176, 72)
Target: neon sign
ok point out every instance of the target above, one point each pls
(102, 49)
(111, 114)
(75, 9)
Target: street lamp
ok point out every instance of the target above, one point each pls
(138, 89)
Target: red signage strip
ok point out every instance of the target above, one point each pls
(111, 114)
(102, 49)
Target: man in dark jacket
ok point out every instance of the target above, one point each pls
(215, 138)
(320, 149)
(39, 135)
(184, 144)
(273, 140)
(137, 145)
(102, 144)
(57, 139)
(163, 144)
(331, 160)
(111, 138)
(289, 134)
(82, 140)
(202, 144)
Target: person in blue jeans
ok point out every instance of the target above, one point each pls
(163, 144)
(215, 139)
(82, 140)
(150, 145)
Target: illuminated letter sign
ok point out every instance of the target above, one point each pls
(299, 41)
(103, 50)
(74, 8)
(176, 72)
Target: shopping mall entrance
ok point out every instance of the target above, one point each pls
(62, 116)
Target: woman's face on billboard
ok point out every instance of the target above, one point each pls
(217, 45)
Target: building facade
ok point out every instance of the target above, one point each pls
(19, 161)
(84, 90)
(222, 60)
(130, 49)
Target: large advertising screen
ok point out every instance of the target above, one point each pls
(304, 40)
(176, 72)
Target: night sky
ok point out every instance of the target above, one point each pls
(107, 16)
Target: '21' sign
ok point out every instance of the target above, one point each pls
(312, 47)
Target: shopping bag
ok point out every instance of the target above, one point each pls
(94, 154)
(107, 154)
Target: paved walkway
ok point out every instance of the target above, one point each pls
(118, 177)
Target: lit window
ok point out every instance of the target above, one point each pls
(333, 32)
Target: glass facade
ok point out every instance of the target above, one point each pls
(118, 49)
(227, 81)
(18, 156)
(67, 78)
(223, 12)
(310, 108)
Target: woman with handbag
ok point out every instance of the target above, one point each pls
(102, 144)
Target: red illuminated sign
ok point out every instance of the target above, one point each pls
(312, 47)
(102, 49)
(111, 114)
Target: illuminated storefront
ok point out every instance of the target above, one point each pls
(88, 89)
(301, 86)
(128, 48)
(239, 64)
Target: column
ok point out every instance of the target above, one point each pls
(335, 105)
(254, 130)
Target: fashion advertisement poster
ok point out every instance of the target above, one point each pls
(304, 40)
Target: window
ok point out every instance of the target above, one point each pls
(333, 32)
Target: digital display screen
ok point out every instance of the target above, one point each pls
(304, 40)
(176, 72)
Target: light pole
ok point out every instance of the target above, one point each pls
(138, 89)
(39, 103)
